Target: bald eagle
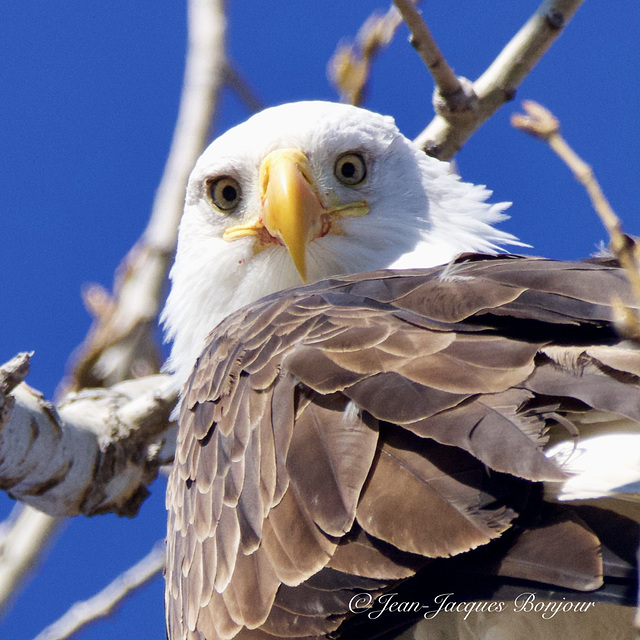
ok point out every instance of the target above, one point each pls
(417, 417)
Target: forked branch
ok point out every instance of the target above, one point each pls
(450, 129)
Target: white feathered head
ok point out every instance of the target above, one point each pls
(307, 190)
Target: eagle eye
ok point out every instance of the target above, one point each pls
(350, 169)
(224, 193)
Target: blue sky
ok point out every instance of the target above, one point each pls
(89, 98)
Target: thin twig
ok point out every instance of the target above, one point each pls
(453, 96)
(446, 80)
(447, 133)
(349, 67)
(103, 603)
(235, 80)
(541, 123)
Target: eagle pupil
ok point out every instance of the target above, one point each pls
(229, 193)
(348, 169)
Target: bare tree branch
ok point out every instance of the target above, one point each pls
(95, 452)
(121, 342)
(541, 123)
(103, 603)
(24, 534)
(449, 130)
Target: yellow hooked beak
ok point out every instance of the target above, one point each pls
(291, 206)
(293, 211)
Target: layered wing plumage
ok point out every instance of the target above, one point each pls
(338, 438)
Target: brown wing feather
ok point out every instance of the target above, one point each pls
(330, 457)
(444, 499)
(576, 566)
(499, 431)
(286, 496)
